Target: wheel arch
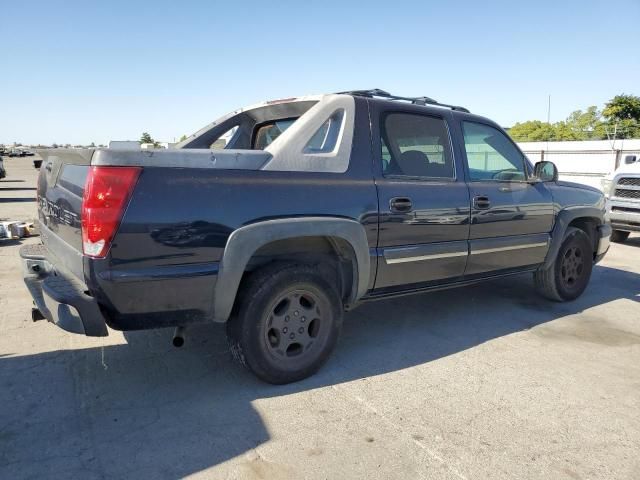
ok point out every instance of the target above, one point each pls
(340, 236)
(585, 218)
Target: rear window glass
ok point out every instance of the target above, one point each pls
(268, 132)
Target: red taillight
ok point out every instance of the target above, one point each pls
(106, 194)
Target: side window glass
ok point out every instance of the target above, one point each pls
(326, 137)
(416, 146)
(386, 156)
(224, 139)
(490, 154)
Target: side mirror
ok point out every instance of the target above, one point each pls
(545, 171)
(630, 159)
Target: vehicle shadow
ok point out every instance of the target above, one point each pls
(8, 242)
(634, 240)
(147, 409)
(17, 199)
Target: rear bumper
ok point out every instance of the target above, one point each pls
(59, 295)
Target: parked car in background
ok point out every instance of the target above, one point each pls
(309, 207)
(622, 190)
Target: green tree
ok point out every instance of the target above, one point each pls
(587, 125)
(619, 119)
(622, 107)
(532, 131)
(622, 113)
(146, 138)
(562, 132)
(183, 138)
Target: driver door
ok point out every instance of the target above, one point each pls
(510, 218)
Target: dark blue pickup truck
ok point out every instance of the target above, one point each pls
(278, 217)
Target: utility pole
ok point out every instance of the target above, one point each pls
(548, 119)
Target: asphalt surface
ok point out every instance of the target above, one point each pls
(489, 381)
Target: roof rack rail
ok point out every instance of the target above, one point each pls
(376, 92)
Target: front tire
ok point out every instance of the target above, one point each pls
(286, 322)
(619, 236)
(569, 275)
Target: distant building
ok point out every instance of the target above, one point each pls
(133, 145)
(124, 144)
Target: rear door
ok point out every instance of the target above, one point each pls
(423, 199)
(510, 217)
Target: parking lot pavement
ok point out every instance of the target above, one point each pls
(482, 382)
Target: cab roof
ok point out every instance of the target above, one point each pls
(422, 101)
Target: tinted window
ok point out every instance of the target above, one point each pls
(326, 137)
(491, 155)
(268, 132)
(224, 139)
(416, 146)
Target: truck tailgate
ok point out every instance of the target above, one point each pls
(60, 189)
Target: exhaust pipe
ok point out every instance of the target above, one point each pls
(178, 337)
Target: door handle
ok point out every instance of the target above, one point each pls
(400, 204)
(481, 202)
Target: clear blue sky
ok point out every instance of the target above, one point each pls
(96, 71)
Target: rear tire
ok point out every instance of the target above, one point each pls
(619, 236)
(286, 322)
(570, 272)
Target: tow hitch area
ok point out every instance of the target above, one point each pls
(37, 315)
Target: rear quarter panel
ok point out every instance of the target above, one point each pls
(163, 260)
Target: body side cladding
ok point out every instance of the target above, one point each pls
(245, 241)
(447, 284)
(563, 219)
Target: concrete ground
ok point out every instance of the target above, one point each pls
(488, 381)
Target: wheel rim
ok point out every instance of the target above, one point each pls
(572, 266)
(295, 324)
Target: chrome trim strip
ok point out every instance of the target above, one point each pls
(419, 258)
(510, 247)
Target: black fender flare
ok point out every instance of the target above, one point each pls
(563, 219)
(246, 240)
